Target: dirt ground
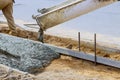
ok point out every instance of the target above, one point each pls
(69, 68)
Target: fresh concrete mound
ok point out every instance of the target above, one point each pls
(24, 54)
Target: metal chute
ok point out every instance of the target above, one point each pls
(66, 11)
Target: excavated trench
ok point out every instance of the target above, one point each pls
(86, 47)
(68, 68)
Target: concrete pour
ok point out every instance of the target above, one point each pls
(24, 54)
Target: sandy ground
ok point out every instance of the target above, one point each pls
(7, 73)
(68, 68)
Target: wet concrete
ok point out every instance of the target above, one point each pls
(23, 54)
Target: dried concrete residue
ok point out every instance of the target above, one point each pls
(23, 54)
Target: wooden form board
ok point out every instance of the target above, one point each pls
(82, 55)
